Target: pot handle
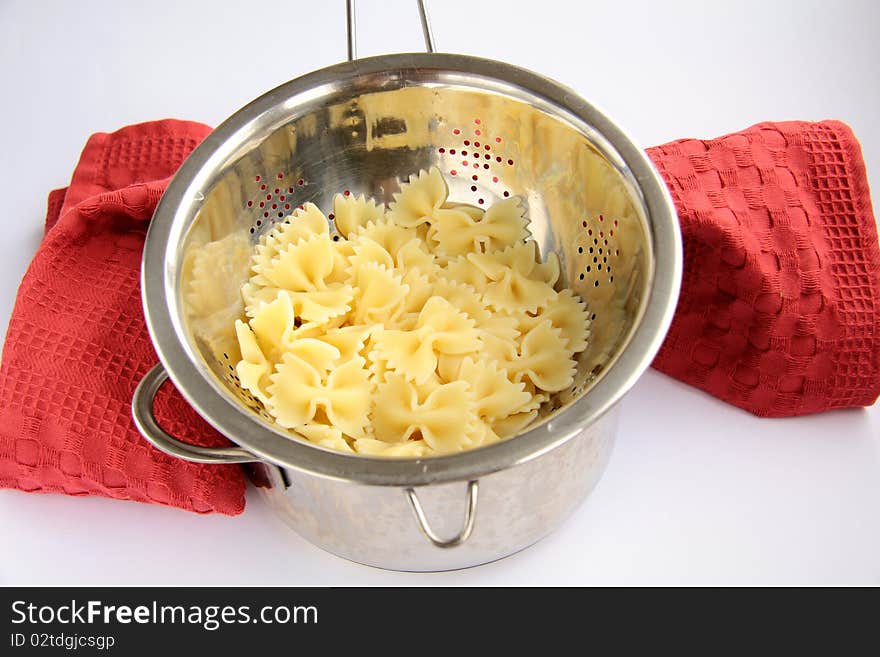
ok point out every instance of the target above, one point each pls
(145, 420)
(470, 513)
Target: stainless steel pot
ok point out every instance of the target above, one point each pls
(593, 197)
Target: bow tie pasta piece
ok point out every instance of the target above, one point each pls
(343, 250)
(408, 449)
(513, 424)
(320, 306)
(275, 326)
(419, 199)
(253, 369)
(409, 352)
(420, 291)
(458, 232)
(462, 297)
(471, 211)
(449, 366)
(535, 402)
(382, 294)
(498, 349)
(461, 213)
(453, 231)
(568, 313)
(498, 335)
(256, 296)
(451, 331)
(305, 223)
(517, 283)
(302, 267)
(503, 327)
(463, 270)
(349, 340)
(482, 434)
(543, 359)
(547, 271)
(377, 366)
(367, 250)
(515, 292)
(522, 258)
(412, 256)
(387, 234)
(406, 321)
(440, 416)
(319, 354)
(299, 391)
(494, 395)
(440, 329)
(325, 435)
(353, 212)
(317, 300)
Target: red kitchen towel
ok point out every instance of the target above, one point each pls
(779, 312)
(77, 345)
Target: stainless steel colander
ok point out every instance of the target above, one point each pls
(365, 126)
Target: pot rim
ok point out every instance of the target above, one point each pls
(182, 200)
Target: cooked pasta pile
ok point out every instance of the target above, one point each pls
(425, 328)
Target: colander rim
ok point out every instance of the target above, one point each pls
(180, 204)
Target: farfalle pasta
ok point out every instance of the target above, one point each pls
(424, 328)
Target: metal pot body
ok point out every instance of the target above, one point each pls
(378, 526)
(594, 198)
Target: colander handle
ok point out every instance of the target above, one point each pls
(352, 36)
(145, 420)
(470, 514)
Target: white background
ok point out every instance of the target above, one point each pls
(697, 492)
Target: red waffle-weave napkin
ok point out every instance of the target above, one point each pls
(77, 345)
(779, 311)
